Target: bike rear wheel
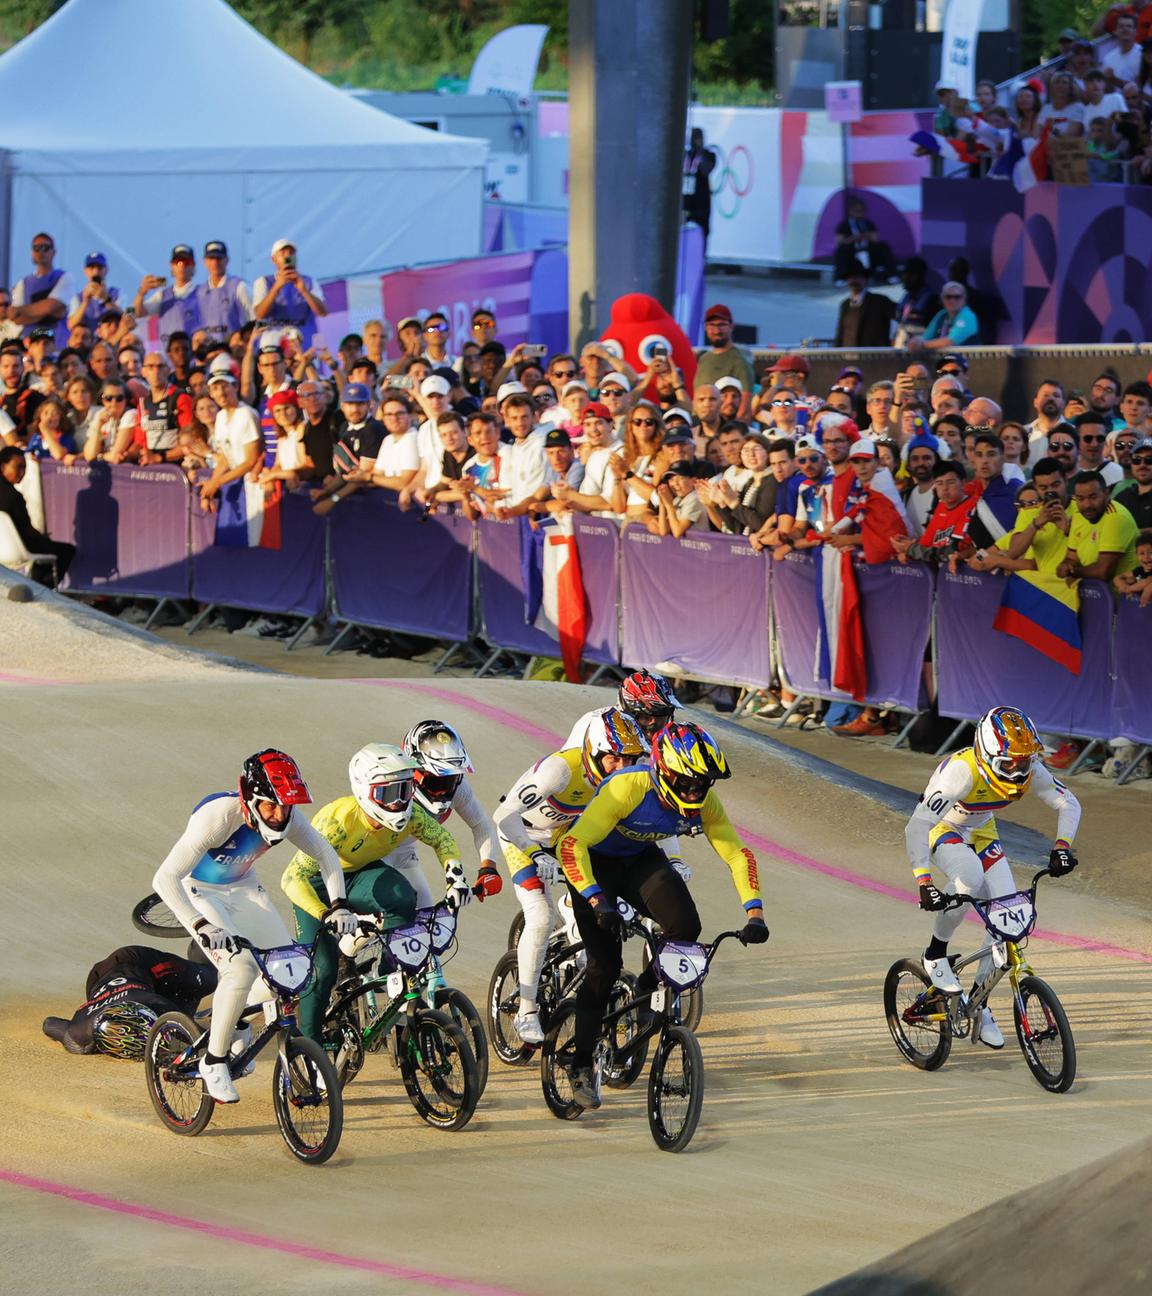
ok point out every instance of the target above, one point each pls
(675, 1089)
(153, 917)
(438, 1070)
(344, 1043)
(179, 1098)
(515, 929)
(917, 1015)
(503, 1005)
(556, 1055)
(626, 1071)
(463, 1012)
(1045, 1036)
(306, 1096)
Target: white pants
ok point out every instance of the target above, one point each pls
(541, 912)
(243, 908)
(984, 875)
(405, 861)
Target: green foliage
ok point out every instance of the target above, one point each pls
(1042, 21)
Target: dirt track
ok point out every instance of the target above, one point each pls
(818, 1151)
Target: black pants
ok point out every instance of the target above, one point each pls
(64, 554)
(653, 887)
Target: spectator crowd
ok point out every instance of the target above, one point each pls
(912, 466)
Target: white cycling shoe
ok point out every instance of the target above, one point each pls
(528, 1027)
(218, 1082)
(990, 1033)
(240, 1042)
(941, 974)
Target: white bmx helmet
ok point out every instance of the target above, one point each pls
(441, 762)
(382, 783)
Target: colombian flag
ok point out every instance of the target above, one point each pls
(248, 515)
(1043, 610)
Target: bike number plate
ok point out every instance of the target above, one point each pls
(1011, 916)
(682, 964)
(442, 928)
(410, 946)
(625, 910)
(395, 984)
(288, 967)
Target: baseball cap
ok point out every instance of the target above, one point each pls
(729, 383)
(409, 321)
(216, 248)
(678, 436)
(1146, 444)
(510, 389)
(182, 252)
(862, 449)
(434, 385)
(849, 371)
(281, 244)
(110, 314)
(599, 409)
(356, 394)
(557, 437)
(944, 84)
(1069, 34)
(791, 364)
(616, 380)
(95, 259)
(283, 398)
(808, 443)
(677, 412)
(576, 384)
(951, 358)
(270, 348)
(42, 333)
(221, 375)
(718, 311)
(682, 468)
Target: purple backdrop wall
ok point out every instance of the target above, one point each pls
(129, 526)
(979, 667)
(1131, 698)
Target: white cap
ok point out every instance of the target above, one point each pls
(434, 385)
(577, 384)
(510, 389)
(281, 244)
(862, 449)
(221, 375)
(944, 84)
(617, 379)
(677, 412)
(809, 443)
(730, 383)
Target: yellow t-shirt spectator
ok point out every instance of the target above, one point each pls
(1050, 544)
(1115, 533)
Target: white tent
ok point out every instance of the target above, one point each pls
(131, 125)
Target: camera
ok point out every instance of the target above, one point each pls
(659, 351)
(1051, 497)
(290, 261)
(534, 351)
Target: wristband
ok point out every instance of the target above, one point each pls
(334, 498)
(336, 905)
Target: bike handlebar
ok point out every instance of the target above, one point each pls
(955, 901)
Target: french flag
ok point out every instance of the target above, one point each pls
(840, 644)
(1032, 168)
(248, 515)
(554, 600)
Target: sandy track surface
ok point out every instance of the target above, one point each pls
(818, 1151)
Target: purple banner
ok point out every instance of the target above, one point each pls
(598, 543)
(896, 605)
(1131, 699)
(288, 579)
(502, 591)
(896, 610)
(979, 667)
(402, 571)
(129, 526)
(699, 604)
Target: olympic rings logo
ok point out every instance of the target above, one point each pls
(731, 178)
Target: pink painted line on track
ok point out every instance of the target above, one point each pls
(223, 1233)
(15, 677)
(788, 856)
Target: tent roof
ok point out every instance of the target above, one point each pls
(120, 76)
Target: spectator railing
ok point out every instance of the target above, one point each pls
(706, 606)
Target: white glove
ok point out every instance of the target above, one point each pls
(213, 937)
(457, 892)
(685, 870)
(341, 921)
(548, 868)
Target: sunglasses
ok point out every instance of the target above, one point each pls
(43, 247)
(1091, 438)
(951, 297)
(783, 404)
(563, 373)
(111, 400)
(1063, 445)
(480, 325)
(1023, 504)
(1142, 461)
(435, 328)
(643, 422)
(807, 459)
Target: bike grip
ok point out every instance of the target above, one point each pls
(489, 883)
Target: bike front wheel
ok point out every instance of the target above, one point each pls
(153, 917)
(306, 1097)
(174, 1086)
(463, 1012)
(917, 1015)
(438, 1070)
(503, 1005)
(1045, 1036)
(675, 1089)
(556, 1054)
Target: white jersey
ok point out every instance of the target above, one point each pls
(467, 805)
(580, 728)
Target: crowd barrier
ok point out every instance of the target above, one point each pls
(706, 606)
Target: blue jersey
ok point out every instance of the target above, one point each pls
(235, 855)
(649, 821)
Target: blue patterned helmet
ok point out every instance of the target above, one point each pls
(686, 761)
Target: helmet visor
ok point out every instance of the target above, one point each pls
(440, 787)
(396, 794)
(690, 788)
(1015, 769)
(651, 722)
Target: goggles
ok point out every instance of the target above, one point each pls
(440, 787)
(394, 795)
